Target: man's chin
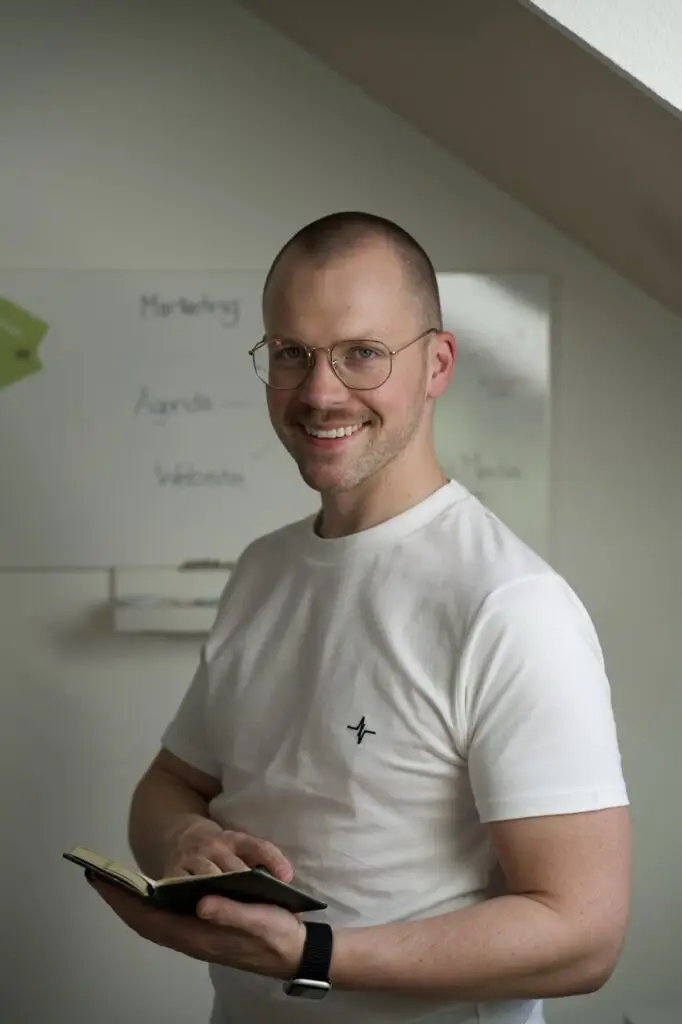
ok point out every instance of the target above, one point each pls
(323, 483)
(323, 479)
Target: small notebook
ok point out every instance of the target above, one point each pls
(181, 894)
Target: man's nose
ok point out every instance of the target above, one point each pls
(322, 388)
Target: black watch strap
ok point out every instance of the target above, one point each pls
(317, 952)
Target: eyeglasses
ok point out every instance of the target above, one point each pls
(359, 365)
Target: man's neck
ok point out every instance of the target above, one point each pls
(377, 500)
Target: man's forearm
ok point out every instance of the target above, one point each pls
(162, 808)
(512, 947)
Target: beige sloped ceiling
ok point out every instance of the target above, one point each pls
(524, 105)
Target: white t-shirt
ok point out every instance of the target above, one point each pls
(370, 702)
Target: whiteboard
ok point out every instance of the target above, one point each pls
(134, 432)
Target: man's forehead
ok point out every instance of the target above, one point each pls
(315, 322)
(350, 270)
(352, 304)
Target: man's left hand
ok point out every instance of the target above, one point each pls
(249, 937)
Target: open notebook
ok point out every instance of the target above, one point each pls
(181, 894)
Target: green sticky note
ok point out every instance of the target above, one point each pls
(20, 335)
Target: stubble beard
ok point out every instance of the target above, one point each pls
(380, 447)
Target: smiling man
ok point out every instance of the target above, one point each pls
(387, 360)
(400, 705)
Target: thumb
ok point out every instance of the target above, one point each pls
(221, 910)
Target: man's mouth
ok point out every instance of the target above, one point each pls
(329, 433)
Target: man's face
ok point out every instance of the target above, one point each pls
(360, 296)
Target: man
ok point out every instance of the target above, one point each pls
(400, 705)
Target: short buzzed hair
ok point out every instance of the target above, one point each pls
(338, 233)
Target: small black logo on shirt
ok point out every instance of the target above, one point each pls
(361, 730)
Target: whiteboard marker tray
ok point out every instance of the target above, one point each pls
(163, 618)
(166, 600)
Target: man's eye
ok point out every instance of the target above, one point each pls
(289, 353)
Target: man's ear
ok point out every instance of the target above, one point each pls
(442, 354)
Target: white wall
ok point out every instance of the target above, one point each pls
(641, 37)
(189, 136)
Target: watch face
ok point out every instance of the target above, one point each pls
(302, 988)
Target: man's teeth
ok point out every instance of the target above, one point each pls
(337, 432)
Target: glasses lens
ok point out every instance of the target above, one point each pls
(280, 364)
(358, 364)
(362, 364)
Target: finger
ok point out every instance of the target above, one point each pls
(222, 854)
(226, 913)
(255, 851)
(206, 865)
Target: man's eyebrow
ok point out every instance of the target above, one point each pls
(356, 337)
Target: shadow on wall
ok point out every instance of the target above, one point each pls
(48, 750)
(74, 753)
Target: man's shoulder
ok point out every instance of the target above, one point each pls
(499, 573)
(479, 553)
(282, 538)
(257, 561)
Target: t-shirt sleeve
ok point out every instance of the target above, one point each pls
(535, 702)
(187, 735)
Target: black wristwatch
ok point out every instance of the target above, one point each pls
(311, 980)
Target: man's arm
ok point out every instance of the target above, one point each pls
(170, 798)
(558, 931)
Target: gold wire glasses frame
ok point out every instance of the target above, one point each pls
(332, 354)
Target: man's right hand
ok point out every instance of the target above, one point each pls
(204, 848)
